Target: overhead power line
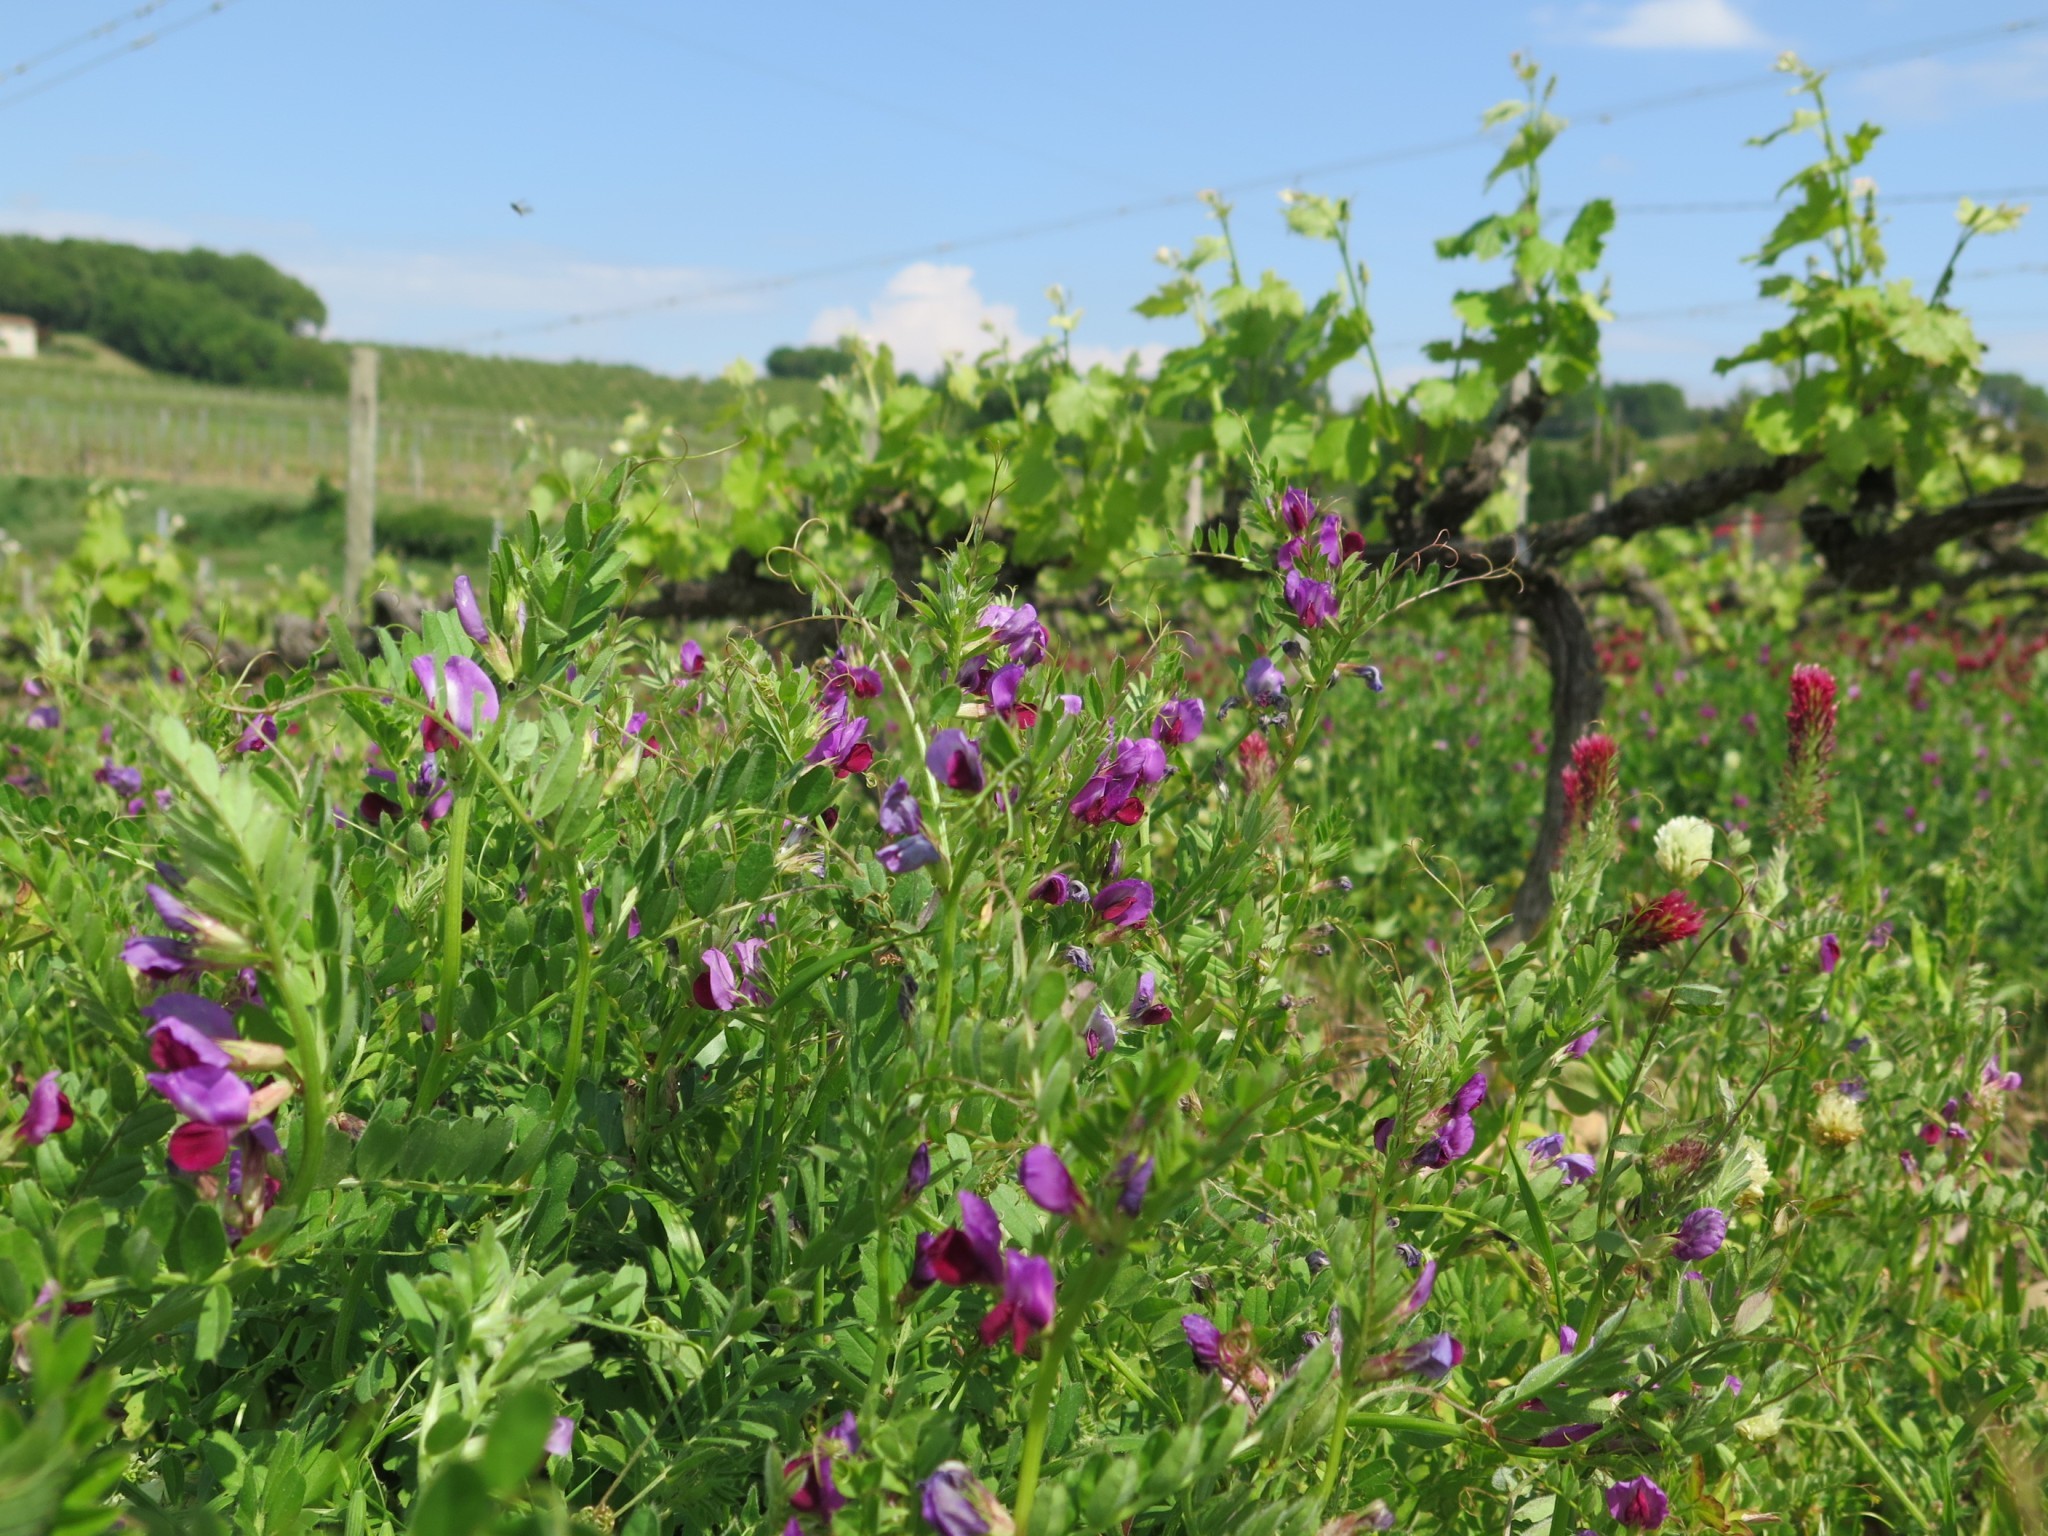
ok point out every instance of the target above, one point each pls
(93, 35)
(750, 287)
(133, 45)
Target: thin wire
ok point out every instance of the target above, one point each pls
(1165, 201)
(1766, 205)
(136, 45)
(94, 35)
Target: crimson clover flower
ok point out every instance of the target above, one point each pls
(1125, 903)
(1135, 1177)
(1670, 919)
(1314, 602)
(1003, 688)
(969, 1254)
(1057, 890)
(1638, 1502)
(1418, 1298)
(1700, 1235)
(919, 1174)
(956, 762)
(1100, 1034)
(1018, 629)
(1449, 1144)
(1027, 1305)
(1810, 717)
(1047, 1182)
(842, 747)
(1180, 722)
(258, 735)
(954, 1503)
(1830, 954)
(1145, 1005)
(1590, 778)
(1265, 683)
(123, 781)
(690, 659)
(472, 699)
(468, 612)
(1296, 510)
(48, 1112)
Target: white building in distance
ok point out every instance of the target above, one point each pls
(17, 336)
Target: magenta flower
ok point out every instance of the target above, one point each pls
(1670, 919)
(1101, 1033)
(468, 612)
(902, 819)
(1582, 1044)
(842, 747)
(1003, 688)
(1469, 1096)
(1638, 1503)
(1577, 1167)
(900, 815)
(901, 857)
(1314, 602)
(956, 762)
(1047, 1182)
(159, 958)
(472, 700)
(1027, 1305)
(209, 1095)
(1567, 1434)
(1125, 904)
(1448, 1145)
(954, 1503)
(1995, 1077)
(1057, 890)
(919, 1174)
(1205, 1341)
(1567, 1339)
(258, 735)
(1135, 1175)
(1830, 954)
(1179, 722)
(716, 987)
(690, 659)
(1418, 1298)
(1145, 1005)
(818, 1493)
(1265, 683)
(123, 781)
(1700, 1235)
(48, 1112)
(1018, 629)
(1296, 510)
(971, 1253)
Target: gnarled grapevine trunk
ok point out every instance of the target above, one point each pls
(1576, 693)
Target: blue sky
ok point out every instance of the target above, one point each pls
(374, 147)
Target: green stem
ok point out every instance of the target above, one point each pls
(579, 1013)
(949, 935)
(1884, 1473)
(1334, 1458)
(451, 951)
(1034, 1426)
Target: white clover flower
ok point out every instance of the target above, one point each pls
(1685, 847)
(1761, 1426)
(1837, 1120)
(1746, 1160)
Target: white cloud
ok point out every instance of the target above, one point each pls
(1926, 90)
(925, 314)
(1682, 24)
(1087, 354)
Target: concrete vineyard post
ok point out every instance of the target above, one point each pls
(359, 542)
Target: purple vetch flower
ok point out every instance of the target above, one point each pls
(1371, 677)
(1880, 935)
(919, 1174)
(1830, 954)
(1733, 1384)
(1470, 1094)
(1314, 602)
(1433, 1358)
(1567, 1340)
(472, 699)
(1113, 863)
(1582, 1044)
(1057, 890)
(716, 987)
(1855, 1089)
(971, 1253)
(206, 1094)
(1265, 683)
(1125, 904)
(956, 762)
(1145, 1005)
(842, 747)
(48, 1112)
(1409, 1255)
(1003, 687)
(1566, 1434)
(1047, 1182)
(561, 1437)
(1577, 1167)
(1179, 723)
(1100, 1034)
(590, 911)
(690, 659)
(1016, 628)
(1026, 1309)
(123, 781)
(1995, 1077)
(45, 717)
(954, 1503)
(172, 909)
(1135, 1176)
(1205, 1341)
(1701, 1234)
(1296, 510)
(159, 957)
(1072, 703)
(468, 612)
(1418, 1298)
(1545, 1150)
(1638, 1503)
(1448, 1145)
(900, 815)
(1077, 957)
(906, 854)
(258, 734)
(1382, 1132)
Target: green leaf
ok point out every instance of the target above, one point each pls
(216, 1311)
(517, 1438)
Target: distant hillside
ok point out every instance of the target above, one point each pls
(196, 314)
(517, 386)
